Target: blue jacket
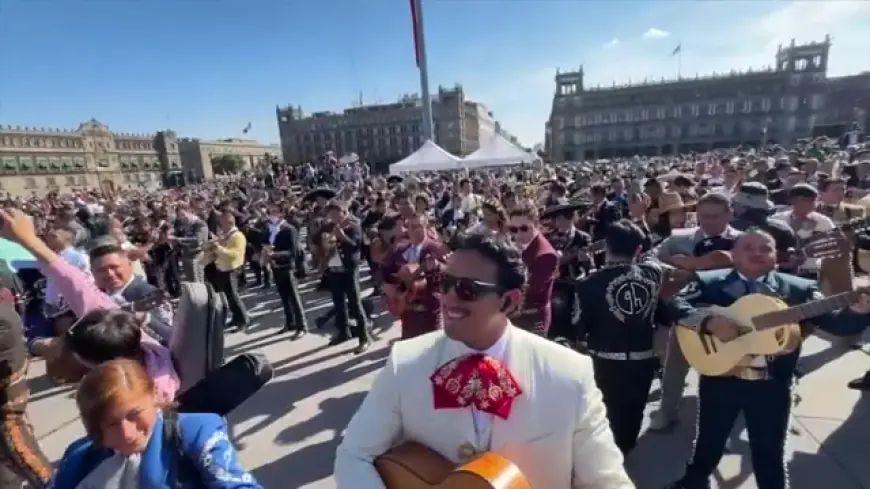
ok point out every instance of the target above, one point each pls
(724, 287)
(202, 438)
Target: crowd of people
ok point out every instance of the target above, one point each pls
(540, 291)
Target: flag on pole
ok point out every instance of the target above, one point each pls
(678, 49)
(246, 129)
(416, 30)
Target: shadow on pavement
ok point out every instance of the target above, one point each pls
(313, 462)
(280, 396)
(840, 447)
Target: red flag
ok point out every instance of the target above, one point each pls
(416, 29)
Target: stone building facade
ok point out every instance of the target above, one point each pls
(385, 133)
(197, 155)
(779, 104)
(36, 161)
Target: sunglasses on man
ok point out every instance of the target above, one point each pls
(525, 228)
(467, 289)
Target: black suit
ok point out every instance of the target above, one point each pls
(287, 244)
(343, 283)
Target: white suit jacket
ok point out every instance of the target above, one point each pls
(557, 432)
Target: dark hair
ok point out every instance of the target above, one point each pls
(388, 222)
(103, 250)
(598, 189)
(715, 198)
(511, 273)
(103, 335)
(624, 238)
(334, 205)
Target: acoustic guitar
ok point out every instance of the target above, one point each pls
(414, 466)
(409, 288)
(767, 327)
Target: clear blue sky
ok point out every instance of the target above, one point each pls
(207, 67)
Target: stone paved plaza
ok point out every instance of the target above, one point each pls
(288, 432)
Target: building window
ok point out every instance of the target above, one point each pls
(678, 111)
(644, 114)
(765, 104)
(729, 107)
(70, 181)
(711, 109)
(696, 110)
(29, 183)
(51, 181)
(747, 106)
(661, 113)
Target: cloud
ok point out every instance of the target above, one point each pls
(613, 42)
(716, 37)
(654, 33)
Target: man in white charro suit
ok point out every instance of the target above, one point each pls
(535, 402)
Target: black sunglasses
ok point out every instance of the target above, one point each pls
(467, 289)
(516, 229)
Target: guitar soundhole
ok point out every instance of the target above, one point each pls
(779, 334)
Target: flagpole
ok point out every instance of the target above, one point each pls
(680, 60)
(420, 46)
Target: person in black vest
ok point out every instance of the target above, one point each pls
(342, 275)
(283, 247)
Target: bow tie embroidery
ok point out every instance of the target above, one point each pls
(475, 380)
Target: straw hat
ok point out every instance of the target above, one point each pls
(668, 201)
(671, 201)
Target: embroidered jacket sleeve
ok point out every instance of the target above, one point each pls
(687, 308)
(215, 457)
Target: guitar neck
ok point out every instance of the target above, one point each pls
(807, 310)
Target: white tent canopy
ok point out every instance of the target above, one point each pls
(348, 159)
(430, 156)
(498, 151)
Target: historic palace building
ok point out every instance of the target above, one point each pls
(385, 133)
(36, 161)
(780, 104)
(197, 155)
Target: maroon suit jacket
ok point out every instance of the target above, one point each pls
(542, 263)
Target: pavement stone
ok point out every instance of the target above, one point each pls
(287, 433)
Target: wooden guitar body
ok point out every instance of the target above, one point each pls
(409, 288)
(710, 356)
(413, 466)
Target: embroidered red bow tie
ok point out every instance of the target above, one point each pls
(475, 380)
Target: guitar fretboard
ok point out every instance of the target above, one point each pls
(807, 310)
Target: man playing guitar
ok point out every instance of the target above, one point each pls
(411, 272)
(760, 391)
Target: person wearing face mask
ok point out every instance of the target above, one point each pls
(280, 252)
(134, 440)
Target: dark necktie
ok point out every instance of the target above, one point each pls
(752, 286)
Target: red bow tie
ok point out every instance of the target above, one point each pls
(475, 380)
